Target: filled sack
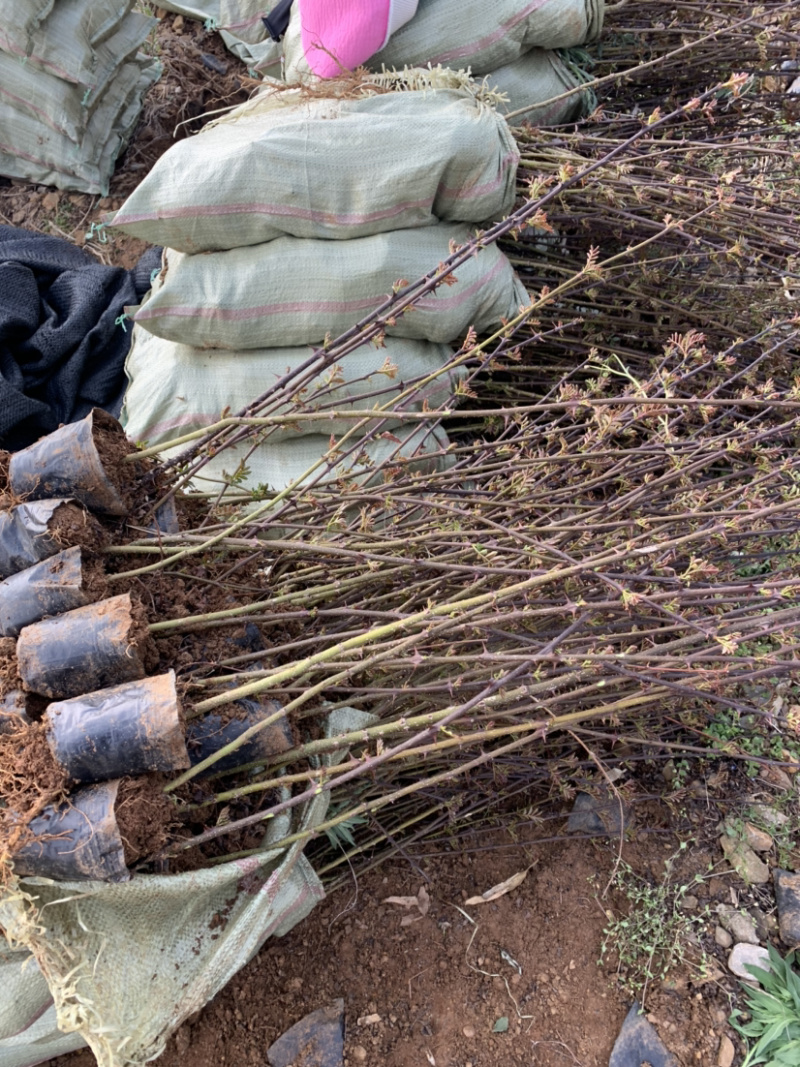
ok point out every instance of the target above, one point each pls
(35, 152)
(479, 35)
(286, 163)
(295, 292)
(174, 389)
(273, 466)
(65, 106)
(67, 42)
(535, 78)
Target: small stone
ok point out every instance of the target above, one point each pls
(602, 814)
(744, 955)
(744, 861)
(639, 1043)
(776, 777)
(722, 937)
(177, 24)
(741, 925)
(690, 903)
(369, 1020)
(319, 1038)
(50, 201)
(359, 1053)
(468, 1032)
(787, 895)
(758, 840)
(726, 1052)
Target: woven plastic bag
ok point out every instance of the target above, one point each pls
(127, 963)
(327, 168)
(482, 36)
(19, 19)
(299, 461)
(29, 1032)
(536, 78)
(61, 105)
(84, 41)
(293, 292)
(34, 152)
(174, 389)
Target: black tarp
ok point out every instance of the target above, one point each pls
(61, 350)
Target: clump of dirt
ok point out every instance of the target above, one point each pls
(94, 582)
(146, 817)
(139, 636)
(113, 448)
(9, 675)
(5, 460)
(30, 781)
(73, 525)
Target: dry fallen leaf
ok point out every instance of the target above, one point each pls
(421, 902)
(501, 889)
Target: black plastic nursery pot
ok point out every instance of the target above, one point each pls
(212, 732)
(77, 841)
(63, 582)
(84, 650)
(129, 729)
(77, 460)
(39, 529)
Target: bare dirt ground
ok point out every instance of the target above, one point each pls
(438, 990)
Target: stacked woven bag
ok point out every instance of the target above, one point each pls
(288, 221)
(518, 46)
(72, 81)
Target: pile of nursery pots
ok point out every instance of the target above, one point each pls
(82, 654)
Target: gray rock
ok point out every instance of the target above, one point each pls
(769, 816)
(316, 1041)
(744, 861)
(638, 1043)
(689, 903)
(722, 937)
(741, 925)
(599, 815)
(787, 894)
(744, 955)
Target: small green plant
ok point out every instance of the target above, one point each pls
(774, 1011)
(656, 934)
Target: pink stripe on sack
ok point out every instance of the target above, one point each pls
(195, 422)
(484, 42)
(42, 115)
(8, 45)
(211, 210)
(444, 303)
(436, 303)
(333, 307)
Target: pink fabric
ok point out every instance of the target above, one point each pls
(340, 35)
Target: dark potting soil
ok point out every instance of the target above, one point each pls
(95, 583)
(113, 447)
(146, 817)
(9, 678)
(139, 636)
(73, 525)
